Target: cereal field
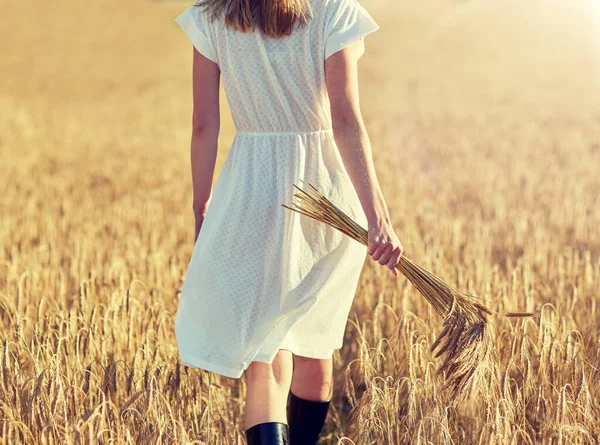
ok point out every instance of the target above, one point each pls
(485, 124)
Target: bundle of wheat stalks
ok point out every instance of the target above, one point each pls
(464, 342)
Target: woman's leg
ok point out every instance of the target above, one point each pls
(267, 387)
(313, 378)
(310, 396)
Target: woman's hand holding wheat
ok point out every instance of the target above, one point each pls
(384, 246)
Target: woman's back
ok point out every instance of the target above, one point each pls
(278, 84)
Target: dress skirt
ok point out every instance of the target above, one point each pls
(262, 277)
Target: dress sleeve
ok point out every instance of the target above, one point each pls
(195, 24)
(349, 22)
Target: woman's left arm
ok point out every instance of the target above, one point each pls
(205, 131)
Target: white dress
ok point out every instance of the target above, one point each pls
(261, 277)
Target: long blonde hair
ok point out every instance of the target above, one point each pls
(274, 18)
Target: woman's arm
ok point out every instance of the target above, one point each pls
(341, 74)
(205, 132)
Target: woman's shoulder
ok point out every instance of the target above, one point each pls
(198, 14)
(333, 4)
(330, 5)
(330, 8)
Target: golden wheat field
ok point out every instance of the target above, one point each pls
(485, 123)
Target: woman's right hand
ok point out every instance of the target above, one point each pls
(384, 246)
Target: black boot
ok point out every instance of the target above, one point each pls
(306, 419)
(268, 433)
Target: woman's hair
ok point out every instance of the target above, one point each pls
(275, 18)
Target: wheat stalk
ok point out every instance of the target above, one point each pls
(464, 342)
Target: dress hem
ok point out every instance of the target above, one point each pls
(226, 371)
(236, 373)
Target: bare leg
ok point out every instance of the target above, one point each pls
(267, 390)
(312, 378)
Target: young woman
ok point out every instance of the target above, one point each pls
(267, 290)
